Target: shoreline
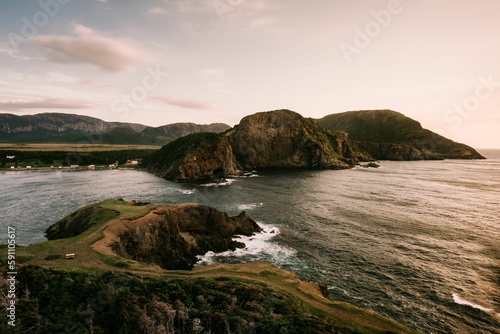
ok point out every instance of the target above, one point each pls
(65, 169)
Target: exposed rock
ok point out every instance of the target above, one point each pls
(389, 135)
(196, 156)
(371, 165)
(283, 138)
(323, 288)
(173, 235)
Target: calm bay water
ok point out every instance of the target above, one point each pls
(416, 241)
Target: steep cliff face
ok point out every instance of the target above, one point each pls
(69, 128)
(283, 138)
(389, 135)
(173, 235)
(196, 156)
(53, 122)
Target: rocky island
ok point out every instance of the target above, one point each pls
(274, 139)
(285, 139)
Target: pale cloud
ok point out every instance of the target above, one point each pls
(215, 77)
(61, 77)
(211, 73)
(187, 104)
(157, 11)
(25, 105)
(91, 47)
(260, 22)
(192, 6)
(6, 49)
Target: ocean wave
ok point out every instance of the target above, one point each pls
(461, 301)
(243, 207)
(257, 247)
(187, 191)
(226, 182)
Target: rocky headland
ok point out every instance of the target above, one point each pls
(389, 135)
(196, 156)
(283, 138)
(273, 139)
(116, 279)
(170, 236)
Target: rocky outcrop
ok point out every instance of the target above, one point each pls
(389, 135)
(172, 236)
(283, 138)
(194, 157)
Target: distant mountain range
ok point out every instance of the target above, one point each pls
(69, 128)
(279, 138)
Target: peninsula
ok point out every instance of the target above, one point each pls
(118, 278)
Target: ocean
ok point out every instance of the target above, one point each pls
(416, 241)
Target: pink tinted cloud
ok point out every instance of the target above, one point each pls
(90, 47)
(187, 104)
(25, 105)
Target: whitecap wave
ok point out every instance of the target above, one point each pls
(461, 301)
(226, 182)
(187, 191)
(243, 207)
(257, 247)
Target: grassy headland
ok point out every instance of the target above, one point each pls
(107, 293)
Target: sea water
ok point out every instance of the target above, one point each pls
(416, 241)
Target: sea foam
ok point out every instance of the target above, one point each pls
(458, 300)
(251, 206)
(226, 182)
(257, 247)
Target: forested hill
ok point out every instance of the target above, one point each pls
(69, 128)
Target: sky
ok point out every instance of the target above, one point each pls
(157, 62)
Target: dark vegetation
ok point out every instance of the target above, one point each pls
(179, 148)
(56, 158)
(390, 135)
(53, 301)
(85, 218)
